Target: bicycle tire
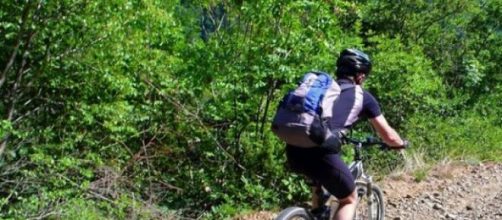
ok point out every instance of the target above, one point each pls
(294, 213)
(362, 209)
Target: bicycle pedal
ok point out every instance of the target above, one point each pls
(321, 212)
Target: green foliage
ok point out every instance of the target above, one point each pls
(404, 81)
(82, 209)
(5, 127)
(420, 174)
(468, 135)
(130, 109)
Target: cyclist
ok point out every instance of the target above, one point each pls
(324, 165)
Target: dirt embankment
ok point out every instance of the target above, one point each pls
(452, 191)
(449, 192)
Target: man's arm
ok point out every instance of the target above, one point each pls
(386, 132)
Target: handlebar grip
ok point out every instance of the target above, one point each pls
(405, 145)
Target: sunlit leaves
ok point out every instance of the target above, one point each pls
(173, 94)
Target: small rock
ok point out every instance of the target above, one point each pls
(392, 204)
(437, 206)
(436, 201)
(450, 216)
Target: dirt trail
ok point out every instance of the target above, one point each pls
(452, 191)
(448, 192)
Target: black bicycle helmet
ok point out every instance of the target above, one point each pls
(351, 62)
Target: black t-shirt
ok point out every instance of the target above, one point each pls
(353, 104)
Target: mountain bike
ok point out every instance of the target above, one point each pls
(370, 201)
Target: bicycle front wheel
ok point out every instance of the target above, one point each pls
(295, 213)
(369, 209)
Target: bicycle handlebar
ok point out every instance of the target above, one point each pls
(375, 141)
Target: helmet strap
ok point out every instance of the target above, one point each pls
(359, 78)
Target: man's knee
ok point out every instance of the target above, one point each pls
(350, 199)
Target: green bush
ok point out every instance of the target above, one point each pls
(467, 136)
(172, 100)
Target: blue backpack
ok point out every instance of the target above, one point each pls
(302, 115)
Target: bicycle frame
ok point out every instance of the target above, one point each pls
(364, 186)
(357, 170)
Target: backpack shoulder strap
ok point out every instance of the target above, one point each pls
(357, 106)
(346, 86)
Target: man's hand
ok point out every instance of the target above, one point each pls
(386, 132)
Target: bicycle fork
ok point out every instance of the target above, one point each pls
(369, 194)
(360, 175)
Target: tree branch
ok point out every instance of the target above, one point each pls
(12, 107)
(431, 22)
(270, 95)
(44, 215)
(12, 58)
(179, 106)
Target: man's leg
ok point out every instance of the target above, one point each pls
(347, 207)
(316, 196)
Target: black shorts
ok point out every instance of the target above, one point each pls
(324, 167)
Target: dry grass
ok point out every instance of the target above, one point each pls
(413, 161)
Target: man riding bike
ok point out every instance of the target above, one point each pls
(324, 165)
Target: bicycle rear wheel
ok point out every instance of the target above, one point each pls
(365, 211)
(295, 213)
